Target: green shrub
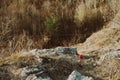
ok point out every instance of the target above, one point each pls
(52, 23)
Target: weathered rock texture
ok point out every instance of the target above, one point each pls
(75, 75)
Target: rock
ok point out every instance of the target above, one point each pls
(75, 75)
(32, 70)
(35, 73)
(34, 51)
(108, 56)
(33, 77)
(57, 50)
(65, 50)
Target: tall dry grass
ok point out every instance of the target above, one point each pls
(22, 23)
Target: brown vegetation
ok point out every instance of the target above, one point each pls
(56, 20)
(28, 24)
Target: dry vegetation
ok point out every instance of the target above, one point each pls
(39, 24)
(28, 24)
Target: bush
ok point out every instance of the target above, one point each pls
(52, 24)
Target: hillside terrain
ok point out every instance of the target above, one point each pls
(60, 39)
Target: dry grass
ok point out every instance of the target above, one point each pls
(11, 59)
(22, 27)
(29, 16)
(22, 24)
(110, 70)
(18, 60)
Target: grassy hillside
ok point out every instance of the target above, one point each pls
(27, 24)
(31, 24)
(52, 23)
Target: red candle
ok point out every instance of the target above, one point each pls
(80, 56)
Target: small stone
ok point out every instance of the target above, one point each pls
(75, 75)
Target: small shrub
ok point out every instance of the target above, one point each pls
(52, 24)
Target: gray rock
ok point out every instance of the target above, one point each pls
(40, 78)
(33, 77)
(35, 73)
(57, 50)
(32, 70)
(65, 50)
(75, 75)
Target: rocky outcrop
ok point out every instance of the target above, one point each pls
(38, 73)
(47, 65)
(57, 50)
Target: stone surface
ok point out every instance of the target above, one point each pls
(57, 50)
(111, 55)
(32, 70)
(35, 73)
(33, 77)
(65, 50)
(75, 75)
